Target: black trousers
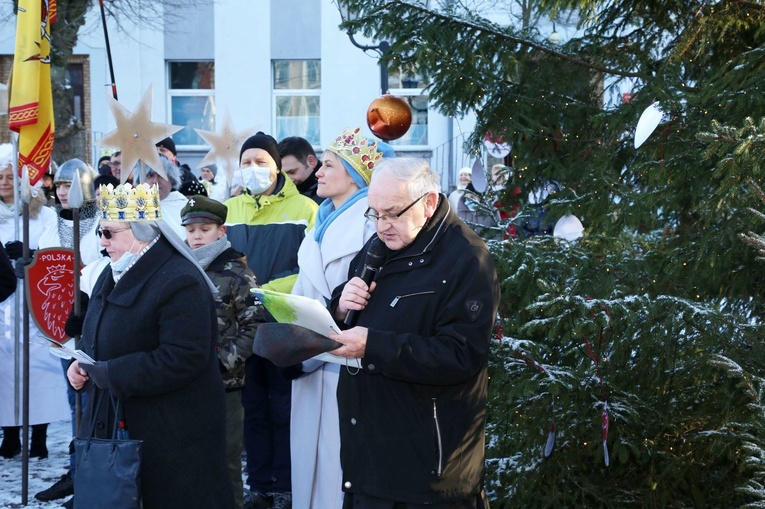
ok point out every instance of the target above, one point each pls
(357, 501)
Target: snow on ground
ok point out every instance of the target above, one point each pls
(42, 473)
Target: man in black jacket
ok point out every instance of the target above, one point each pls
(412, 421)
(299, 163)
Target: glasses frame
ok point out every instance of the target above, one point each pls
(393, 215)
(108, 234)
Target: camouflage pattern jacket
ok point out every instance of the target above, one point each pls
(239, 314)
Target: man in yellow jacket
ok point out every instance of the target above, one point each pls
(267, 222)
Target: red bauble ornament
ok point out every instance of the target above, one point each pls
(389, 117)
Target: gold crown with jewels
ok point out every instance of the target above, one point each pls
(128, 203)
(361, 153)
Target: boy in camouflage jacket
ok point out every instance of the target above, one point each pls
(239, 313)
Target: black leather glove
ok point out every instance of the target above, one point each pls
(73, 325)
(98, 373)
(18, 267)
(291, 372)
(15, 249)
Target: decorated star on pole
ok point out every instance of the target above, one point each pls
(225, 145)
(136, 135)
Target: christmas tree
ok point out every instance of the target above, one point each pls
(626, 370)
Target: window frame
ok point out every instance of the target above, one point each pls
(189, 92)
(277, 93)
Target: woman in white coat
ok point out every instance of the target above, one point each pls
(47, 388)
(339, 233)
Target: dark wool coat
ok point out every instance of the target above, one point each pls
(156, 330)
(412, 421)
(7, 276)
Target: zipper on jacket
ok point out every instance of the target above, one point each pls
(399, 297)
(438, 439)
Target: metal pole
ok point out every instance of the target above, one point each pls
(25, 399)
(75, 202)
(19, 289)
(108, 49)
(384, 47)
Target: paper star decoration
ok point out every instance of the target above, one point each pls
(225, 145)
(136, 135)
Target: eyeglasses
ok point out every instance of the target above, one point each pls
(107, 234)
(115, 164)
(393, 215)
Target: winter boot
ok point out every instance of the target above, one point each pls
(38, 449)
(282, 501)
(11, 445)
(256, 500)
(64, 487)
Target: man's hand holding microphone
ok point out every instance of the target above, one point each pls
(354, 299)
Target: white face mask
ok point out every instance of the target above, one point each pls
(125, 260)
(257, 179)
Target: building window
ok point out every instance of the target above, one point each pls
(411, 88)
(191, 96)
(75, 81)
(297, 85)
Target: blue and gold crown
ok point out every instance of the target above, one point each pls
(128, 203)
(361, 153)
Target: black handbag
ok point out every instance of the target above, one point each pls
(108, 473)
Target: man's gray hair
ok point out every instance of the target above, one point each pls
(415, 171)
(173, 172)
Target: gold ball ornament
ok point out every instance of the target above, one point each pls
(389, 117)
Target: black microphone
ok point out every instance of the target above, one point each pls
(373, 261)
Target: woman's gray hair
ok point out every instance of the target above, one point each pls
(144, 231)
(419, 177)
(172, 171)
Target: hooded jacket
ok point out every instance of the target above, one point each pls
(412, 421)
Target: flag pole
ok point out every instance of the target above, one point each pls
(30, 114)
(75, 200)
(26, 197)
(108, 50)
(19, 288)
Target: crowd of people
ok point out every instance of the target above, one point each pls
(169, 316)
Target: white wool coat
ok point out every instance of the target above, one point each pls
(171, 208)
(47, 385)
(315, 430)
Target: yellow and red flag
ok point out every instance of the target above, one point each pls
(30, 110)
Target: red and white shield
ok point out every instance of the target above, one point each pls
(49, 286)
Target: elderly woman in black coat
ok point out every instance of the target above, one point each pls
(151, 326)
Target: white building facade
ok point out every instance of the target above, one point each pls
(280, 66)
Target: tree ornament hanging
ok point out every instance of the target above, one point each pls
(389, 117)
(550, 440)
(604, 421)
(649, 120)
(495, 145)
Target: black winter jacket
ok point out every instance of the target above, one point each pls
(412, 422)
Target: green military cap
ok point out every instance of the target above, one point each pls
(201, 209)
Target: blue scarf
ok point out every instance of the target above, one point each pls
(327, 213)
